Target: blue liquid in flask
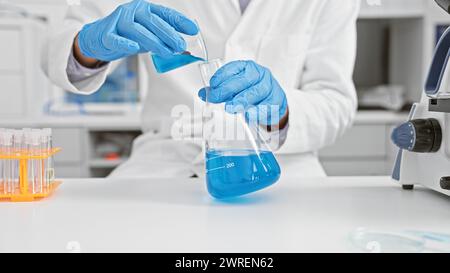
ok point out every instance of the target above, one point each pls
(236, 173)
(164, 65)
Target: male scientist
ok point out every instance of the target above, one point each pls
(297, 55)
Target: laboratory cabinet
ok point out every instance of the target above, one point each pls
(366, 148)
(361, 151)
(71, 139)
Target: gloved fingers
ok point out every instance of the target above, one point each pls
(270, 111)
(234, 79)
(229, 89)
(176, 19)
(266, 115)
(118, 43)
(148, 42)
(203, 93)
(212, 96)
(128, 28)
(236, 86)
(165, 32)
(226, 72)
(253, 95)
(251, 115)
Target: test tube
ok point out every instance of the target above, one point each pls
(18, 143)
(7, 168)
(28, 148)
(2, 162)
(37, 166)
(47, 142)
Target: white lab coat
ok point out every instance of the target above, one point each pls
(309, 45)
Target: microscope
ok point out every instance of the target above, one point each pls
(424, 140)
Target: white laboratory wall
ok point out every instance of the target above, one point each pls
(53, 10)
(20, 72)
(408, 66)
(364, 150)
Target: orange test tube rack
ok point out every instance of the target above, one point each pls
(22, 192)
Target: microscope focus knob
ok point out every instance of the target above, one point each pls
(420, 136)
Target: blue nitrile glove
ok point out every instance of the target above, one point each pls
(245, 86)
(136, 27)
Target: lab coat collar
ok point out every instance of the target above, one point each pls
(236, 5)
(254, 12)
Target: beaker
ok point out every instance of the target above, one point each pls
(195, 51)
(238, 159)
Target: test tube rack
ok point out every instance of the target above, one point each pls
(23, 192)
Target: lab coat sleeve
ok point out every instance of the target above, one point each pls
(325, 104)
(59, 46)
(77, 72)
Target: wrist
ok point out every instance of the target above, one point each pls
(284, 121)
(82, 59)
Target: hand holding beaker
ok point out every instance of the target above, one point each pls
(238, 160)
(245, 86)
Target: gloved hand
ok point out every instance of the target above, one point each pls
(136, 27)
(249, 88)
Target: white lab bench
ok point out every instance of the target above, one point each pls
(296, 215)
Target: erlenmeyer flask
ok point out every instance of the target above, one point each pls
(195, 52)
(238, 158)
